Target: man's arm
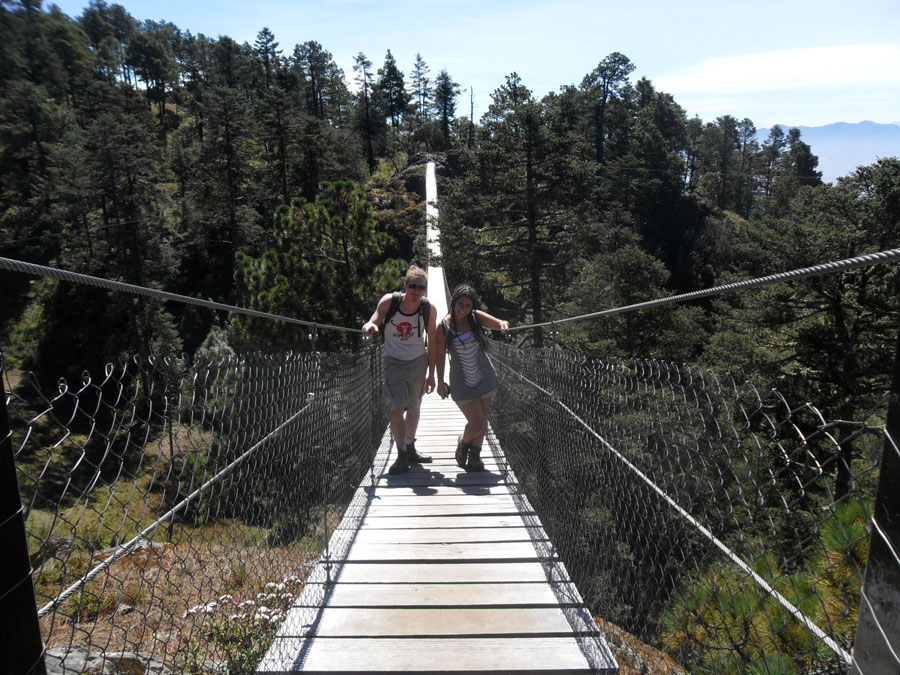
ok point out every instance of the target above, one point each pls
(430, 328)
(377, 318)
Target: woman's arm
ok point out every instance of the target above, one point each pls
(492, 322)
(440, 359)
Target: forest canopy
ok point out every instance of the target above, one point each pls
(136, 151)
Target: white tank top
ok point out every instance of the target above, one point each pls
(404, 336)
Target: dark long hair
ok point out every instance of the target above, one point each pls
(466, 291)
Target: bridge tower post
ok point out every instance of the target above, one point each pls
(20, 632)
(877, 643)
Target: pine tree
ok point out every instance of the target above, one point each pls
(445, 93)
(392, 90)
(421, 89)
(268, 54)
(367, 117)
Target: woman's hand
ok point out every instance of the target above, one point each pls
(443, 389)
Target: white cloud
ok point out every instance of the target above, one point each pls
(855, 67)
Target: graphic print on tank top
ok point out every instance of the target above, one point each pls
(405, 339)
(466, 347)
(404, 330)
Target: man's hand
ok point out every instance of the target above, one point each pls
(370, 327)
(429, 384)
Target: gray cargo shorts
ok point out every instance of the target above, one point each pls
(404, 381)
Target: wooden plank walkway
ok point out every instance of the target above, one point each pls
(439, 570)
(447, 571)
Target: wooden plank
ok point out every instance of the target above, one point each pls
(505, 550)
(428, 522)
(447, 655)
(455, 497)
(442, 595)
(395, 622)
(428, 573)
(384, 491)
(466, 509)
(431, 478)
(441, 535)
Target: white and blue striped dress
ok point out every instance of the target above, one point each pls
(471, 372)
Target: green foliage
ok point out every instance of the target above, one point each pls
(722, 620)
(326, 265)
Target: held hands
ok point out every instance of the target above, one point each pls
(443, 390)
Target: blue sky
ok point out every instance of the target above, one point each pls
(789, 62)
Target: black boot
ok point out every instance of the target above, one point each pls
(402, 463)
(414, 457)
(474, 462)
(462, 450)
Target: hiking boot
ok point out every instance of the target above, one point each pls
(462, 450)
(474, 462)
(414, 457)
(401, 465)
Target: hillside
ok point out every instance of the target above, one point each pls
(841, 147)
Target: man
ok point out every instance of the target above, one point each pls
(405, 320)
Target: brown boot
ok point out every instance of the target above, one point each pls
(474, 462)
(414, 457)
(401, 465)
(462, 450)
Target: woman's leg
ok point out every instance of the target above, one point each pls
(476, 423)
(473, 459)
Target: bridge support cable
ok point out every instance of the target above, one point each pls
(784, 602)
(21, 646)
(249, 459)
(877, 645)
(145, 535)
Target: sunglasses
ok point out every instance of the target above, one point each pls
(417, 287)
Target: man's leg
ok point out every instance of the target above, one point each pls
(416, 391)
(399, 427)
(398, 430)
(412, 423)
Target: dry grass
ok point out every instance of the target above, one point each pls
(142, 603)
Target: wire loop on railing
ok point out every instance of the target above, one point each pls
(164, 498)
(695, 513)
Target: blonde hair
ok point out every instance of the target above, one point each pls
(415, 271)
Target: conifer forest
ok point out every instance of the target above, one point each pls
(262, 175)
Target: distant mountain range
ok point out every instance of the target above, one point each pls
(841, 147)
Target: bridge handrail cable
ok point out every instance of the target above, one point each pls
(734, 557)
(879, 258)
(74, 277)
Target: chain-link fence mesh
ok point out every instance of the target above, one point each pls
(174, 510)
(726, 526)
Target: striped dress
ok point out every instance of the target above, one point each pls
(471, 372)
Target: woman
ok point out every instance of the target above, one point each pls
(473, 381)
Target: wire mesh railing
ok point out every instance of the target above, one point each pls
(702, 516)
(173, 509)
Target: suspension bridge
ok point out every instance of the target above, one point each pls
(237, 514)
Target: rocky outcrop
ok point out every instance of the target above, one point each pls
(72, 660)
(635, 657)
(446, 166)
